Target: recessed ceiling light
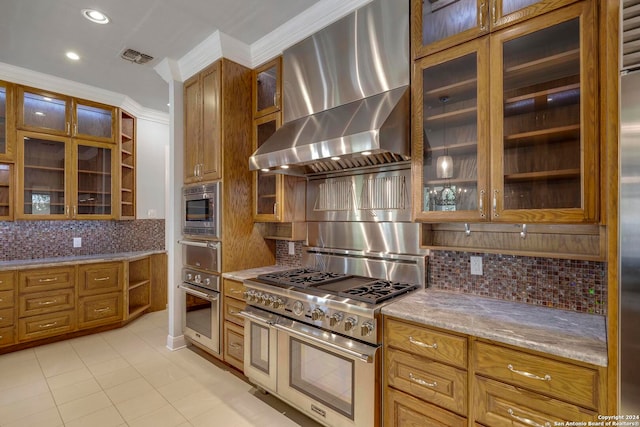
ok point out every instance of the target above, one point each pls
(73, 56)
(95, 16)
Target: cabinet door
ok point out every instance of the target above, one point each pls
(6, 191)
(267, 185)
(44, 112)
(94, 172)
(210, 163)
(267, 88)
(451, 133)
(94, 121)
(440, 24)
(7, 121)
(543, 82)
(192, 120)
(43, 171)
(509, 12)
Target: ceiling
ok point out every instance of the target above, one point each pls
(36, 34)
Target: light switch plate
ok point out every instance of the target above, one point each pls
(77, 242)
(476, 265)
(292, 248)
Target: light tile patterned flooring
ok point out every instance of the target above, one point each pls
(127, 377)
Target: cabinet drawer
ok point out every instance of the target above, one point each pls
(6, 317)
(233, 289)
(428, 380)
(46, 325)
(46, 302)
(234, 345)
(498, 404)
(46, 279)
(6, 336)
(100, 278)
(99, 310)
(6, 299)
(6, 281)
(575, 384)
(440, 346)
(402, 410)
(232, 309)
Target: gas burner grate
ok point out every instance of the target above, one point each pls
(301, 277)
(378, 291)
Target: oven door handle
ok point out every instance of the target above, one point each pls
(255, 318)
(367, 358)
(214, 245)
(196, 293)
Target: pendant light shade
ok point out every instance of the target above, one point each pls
(444, 167)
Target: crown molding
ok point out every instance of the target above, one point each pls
(26, 77)
(206, 52)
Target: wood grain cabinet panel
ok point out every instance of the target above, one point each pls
(428, 380)
(440, 346)
(46, 279)
(573, 383)
(46, 325)
(6, 336)
(100, 278)
(6, 317)
(234, 345)
(498, 404)
(46, 302)
(232, 309)
(99, 310)
(403, 410)
(7, 281)
(233, 289)
(6, 299)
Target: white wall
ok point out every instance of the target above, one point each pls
(152, 148)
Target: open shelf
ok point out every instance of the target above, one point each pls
(133, 285)
(535, 176)
(139, 289)
(127, 166)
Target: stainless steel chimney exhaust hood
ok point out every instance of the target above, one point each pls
(346, 96)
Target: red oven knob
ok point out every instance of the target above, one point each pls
(366, 329)
(349, 323)
(317, 314)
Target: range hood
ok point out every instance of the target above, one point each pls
(346, 96)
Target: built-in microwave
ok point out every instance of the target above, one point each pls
(201, 210)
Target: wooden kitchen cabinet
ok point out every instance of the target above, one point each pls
(529, 156)
(439, 24)
(100, 278)
(94, 121)
(7, 308)
(267, 88)
(127, 146)
(100, 293)
(64, 178)
(203, 106)
(7, 121)
(233, 324)
(138, 295)
(6, 191)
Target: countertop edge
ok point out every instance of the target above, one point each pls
(75, 260)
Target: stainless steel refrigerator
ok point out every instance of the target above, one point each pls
(629, 243)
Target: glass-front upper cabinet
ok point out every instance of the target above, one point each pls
(439, 24)
(545, 157)
(7, 121)
(43, 164)
(94, 121)
(268, 186)
(44, 112)
(452, 137)
(267, 88)
(94, 180)
(6, 191)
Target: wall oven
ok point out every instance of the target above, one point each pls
(201, 210)
(201, 286)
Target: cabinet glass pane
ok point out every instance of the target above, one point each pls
(3, 120)
(266, 88)
(44, 177)
(5, 189)
(94, 180)
(450, 135)
(94, 121)
(542, 144)
(510, 6)
(44, 112)
(267, 185)
(445, 18)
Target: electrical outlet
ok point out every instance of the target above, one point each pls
(77, 242)
(292, 248)
(476, 265)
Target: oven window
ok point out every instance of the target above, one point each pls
(322, 375)
(198, 210)
(260, 347)
(199, 315)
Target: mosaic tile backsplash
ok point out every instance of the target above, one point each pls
(566, 284)
(46, 239)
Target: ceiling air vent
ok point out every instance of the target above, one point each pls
(630, 34)
(135, 56)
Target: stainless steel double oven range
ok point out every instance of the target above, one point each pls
(201, 265)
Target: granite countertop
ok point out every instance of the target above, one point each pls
(253, 272)
(72, 260)
(577, 336)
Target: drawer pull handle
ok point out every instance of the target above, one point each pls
(101, 310)
(47, 325)
(51, 279)
(101, 279)
(527, 420)
(46, 302)
(236, 292)
(421, 344)
(547, 377)
(235, 346)
(421, 381)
